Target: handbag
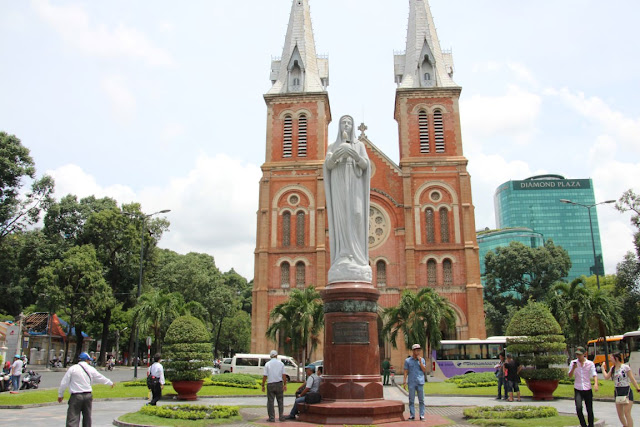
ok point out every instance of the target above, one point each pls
(622, 399)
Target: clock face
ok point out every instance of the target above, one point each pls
(378, 227)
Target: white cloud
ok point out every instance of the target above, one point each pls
(123, 103)
(73, 24)
(513, 115)
(520, 71)
(171, 131)
(212, 208)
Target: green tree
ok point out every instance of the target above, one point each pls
(628, 290)
(296, 323)
(516, 273)
(75, 285)
(155, 311)
(421, 317)
(19, 211)
(235, 336)
(569, 304)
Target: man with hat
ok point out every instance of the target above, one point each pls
(276, 381)
(16, 373)
(414, 372)
(79, 379)
(312, 385)
(583, 370)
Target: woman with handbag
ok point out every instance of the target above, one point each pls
(623, 378)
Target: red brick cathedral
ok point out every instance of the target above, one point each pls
(422, 226)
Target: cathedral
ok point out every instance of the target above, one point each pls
(422, 225)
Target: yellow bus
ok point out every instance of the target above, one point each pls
(596, 353)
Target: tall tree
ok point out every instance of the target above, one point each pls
(19, 211)
(297, 322)
(155, 312)
(628, 290)
(421, 317)
(569, 304)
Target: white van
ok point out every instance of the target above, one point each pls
(243, 363)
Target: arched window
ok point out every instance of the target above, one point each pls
(381, 273)
(427, 76)
(431, 231)
(300, 220)
(286, 229)
(444, 225)
(288, 137)
(438, 127)
(423, 123)
(431, 273)
(447, 272)
(302, 136)
(284, 275)
(300, 274)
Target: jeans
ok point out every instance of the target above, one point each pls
(502, 385)
(413, 389)
(294, 410)
(15, 380)
(587, 396)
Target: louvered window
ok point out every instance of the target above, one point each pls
(286, 229)
(430, 228)
(300, 220)
(423, 123)
(300, 274)
(444, 225)
(381, 273)
(447, 271)
(438, 127)
(284, 275)
(302, 136)
(288, 137)
(431, 273)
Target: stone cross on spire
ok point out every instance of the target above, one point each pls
(362, 128)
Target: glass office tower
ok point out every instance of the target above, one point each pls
(534, 203)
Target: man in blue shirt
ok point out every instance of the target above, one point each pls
(414, 371)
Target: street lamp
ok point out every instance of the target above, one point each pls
(595, 263)
(143, 218)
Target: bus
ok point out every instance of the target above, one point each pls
(632, 344)
(596, 353)
(459, 357)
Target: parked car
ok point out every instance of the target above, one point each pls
(243, 363)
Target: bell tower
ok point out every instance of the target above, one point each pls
(441, 250)
(291, 240)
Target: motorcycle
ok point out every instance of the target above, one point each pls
(110, 365)
(30, 381)
(55, 363)
(5, 382)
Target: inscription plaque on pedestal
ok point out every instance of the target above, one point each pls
(350, 333)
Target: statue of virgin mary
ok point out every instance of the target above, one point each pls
(346, 183)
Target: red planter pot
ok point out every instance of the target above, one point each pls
(187, 390)
(542, 389)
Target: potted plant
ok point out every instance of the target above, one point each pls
(536, 341)
(187, 351)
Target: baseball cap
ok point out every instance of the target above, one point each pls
(312, 367)
(84, 356)
(580, 351)
(273, 353)
(413, 347)
(17, 356)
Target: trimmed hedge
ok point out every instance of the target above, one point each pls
(191, 412)
(188, 350)
(513, 412)
(480, 379)
(236, 380)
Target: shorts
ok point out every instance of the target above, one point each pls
(623, 391)
(513, 386)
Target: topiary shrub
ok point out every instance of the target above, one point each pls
(187, 350)
(537, 342)
(191, 412)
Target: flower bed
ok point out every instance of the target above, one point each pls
(512, 412)
(191, 412)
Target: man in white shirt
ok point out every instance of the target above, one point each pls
(156, 371)
(16, 373)
(583, 369)
(79, 379)
(276, 385)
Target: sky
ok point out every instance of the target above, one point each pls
(161, 102)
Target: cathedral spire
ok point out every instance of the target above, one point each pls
(423, 64)
(299, 70)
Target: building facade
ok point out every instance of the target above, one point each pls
(422, 226)
(535, 203)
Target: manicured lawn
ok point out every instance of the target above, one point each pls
(140, 419)
(559, 421)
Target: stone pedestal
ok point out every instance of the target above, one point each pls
(351, 388)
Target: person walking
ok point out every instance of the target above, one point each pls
(156, 371)
(386, 370)
(79, 379)
(622, 378)
(16, 373)
(502, 386)
(414, 372)
(276, 381)
(583, 370)
(512, 375)
(312, 385)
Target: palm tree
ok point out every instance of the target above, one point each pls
(419, 317)
(569, 304)
(154, 312)
(298, 321)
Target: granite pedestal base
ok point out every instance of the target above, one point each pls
(354, 412)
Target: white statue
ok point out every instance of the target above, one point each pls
(346, 182)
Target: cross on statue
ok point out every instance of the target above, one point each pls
(362, 128)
